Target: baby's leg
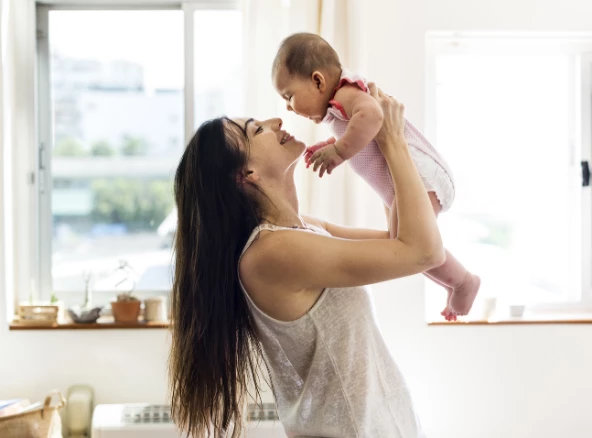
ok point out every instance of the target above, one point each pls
(447, 312)
(453, 275)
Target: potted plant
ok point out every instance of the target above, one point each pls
(126, 308)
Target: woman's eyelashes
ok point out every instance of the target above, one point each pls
(259, 130)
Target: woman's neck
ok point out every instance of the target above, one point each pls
(280, 207)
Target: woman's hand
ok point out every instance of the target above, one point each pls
(392, 132)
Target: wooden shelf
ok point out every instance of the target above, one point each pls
(518, 321)
(104, 323)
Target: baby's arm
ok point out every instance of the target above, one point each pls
(365, 120)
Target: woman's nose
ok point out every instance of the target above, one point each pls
(289, 107)
(277, 124)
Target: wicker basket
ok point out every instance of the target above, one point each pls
(41, 422)
(38, 314)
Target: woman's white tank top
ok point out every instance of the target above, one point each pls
(331, 372)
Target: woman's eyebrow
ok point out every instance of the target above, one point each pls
(247, 124)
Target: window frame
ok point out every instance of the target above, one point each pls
(40, 219)
(585, 128)
(579, 47)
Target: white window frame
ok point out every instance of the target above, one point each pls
(585, 129)
(40, 219)
(580, 46)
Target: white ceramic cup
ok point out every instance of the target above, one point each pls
(517, 310)
(489, 305)
(155, 309)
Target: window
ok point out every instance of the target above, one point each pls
(508, 115)
(115, 92)
(218, 66)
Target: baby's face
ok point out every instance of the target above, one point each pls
(306, 97)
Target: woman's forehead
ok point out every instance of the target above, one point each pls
(239, 123)
(235, 127)
(240, 120)
(242, 126)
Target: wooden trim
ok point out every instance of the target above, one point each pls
(103, 324)
(108, 323)
(517, 321)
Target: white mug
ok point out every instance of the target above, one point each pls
(489, 305)
(155, 309)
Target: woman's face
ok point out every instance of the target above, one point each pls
(271, 151)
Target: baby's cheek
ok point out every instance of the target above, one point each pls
(305, 108)
(300, 109)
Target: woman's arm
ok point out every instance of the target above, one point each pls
(345, 232)
(297, 260)
(415, 223)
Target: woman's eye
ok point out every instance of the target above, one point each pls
(259, 129)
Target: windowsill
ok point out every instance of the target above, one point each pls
(585, 318)
(103, 323)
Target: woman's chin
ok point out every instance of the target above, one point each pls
(298, 148)
(301, 147)
(295, 144)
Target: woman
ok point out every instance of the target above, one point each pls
(255, 279)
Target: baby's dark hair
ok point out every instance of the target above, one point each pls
(303, 53)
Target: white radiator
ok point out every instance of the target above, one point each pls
(141, 420)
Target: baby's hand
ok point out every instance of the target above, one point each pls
(325, 159)
(324, 155)
(315, 147)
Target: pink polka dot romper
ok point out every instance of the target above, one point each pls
(370, 164)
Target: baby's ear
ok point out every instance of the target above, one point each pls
(319, 80)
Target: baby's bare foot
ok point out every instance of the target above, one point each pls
(448, 313)
(462, 297)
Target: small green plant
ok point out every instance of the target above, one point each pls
(54, 298)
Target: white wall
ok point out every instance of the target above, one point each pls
(469, 382)
(489, 382)
(122, 365)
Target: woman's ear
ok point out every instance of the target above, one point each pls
(247, 176)
(319, 81)
(251, 176)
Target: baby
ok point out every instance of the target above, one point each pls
(307, 73)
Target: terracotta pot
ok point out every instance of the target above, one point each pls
(126, 311)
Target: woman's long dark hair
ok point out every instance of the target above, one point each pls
(215, 354)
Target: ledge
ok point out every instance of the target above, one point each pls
(532, 320)
(104, 323)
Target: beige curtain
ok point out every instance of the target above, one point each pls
(342, 196)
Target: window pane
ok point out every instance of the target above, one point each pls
(218, 64)
(117, 102)
(503, 124)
